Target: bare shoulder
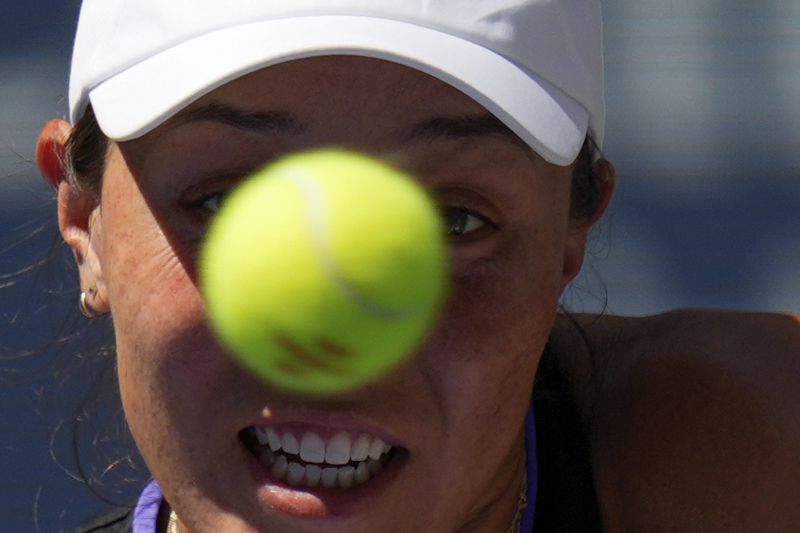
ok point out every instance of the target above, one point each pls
(695, 419)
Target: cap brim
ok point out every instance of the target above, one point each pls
(139, 99)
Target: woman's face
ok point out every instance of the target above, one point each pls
(453, 414)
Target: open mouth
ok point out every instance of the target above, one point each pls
(342, 461)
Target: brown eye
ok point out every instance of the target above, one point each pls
(460, 221)
(213, 203)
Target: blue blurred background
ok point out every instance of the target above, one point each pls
(703, 125)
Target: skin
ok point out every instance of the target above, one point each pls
(457, 407)
(693, 417)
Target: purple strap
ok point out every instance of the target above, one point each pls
(145, 515)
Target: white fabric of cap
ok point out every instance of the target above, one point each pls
(535, 64)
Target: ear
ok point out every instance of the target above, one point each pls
(79, 218)
(605, 175)
(51, 151)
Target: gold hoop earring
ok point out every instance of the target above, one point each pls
(85, 308)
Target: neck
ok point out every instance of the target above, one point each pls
(503, 513)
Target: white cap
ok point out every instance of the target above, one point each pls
(535, 64)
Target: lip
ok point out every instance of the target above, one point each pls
(320, 503)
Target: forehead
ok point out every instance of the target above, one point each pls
(369, 105)
(345, 88)
(349, 101)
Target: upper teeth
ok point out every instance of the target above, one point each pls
(338, 450)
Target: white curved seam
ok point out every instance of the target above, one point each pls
(317, 218)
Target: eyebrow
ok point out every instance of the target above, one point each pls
(456, 128)
(453, 128)
(252, 121)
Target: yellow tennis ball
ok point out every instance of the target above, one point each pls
(324, 270)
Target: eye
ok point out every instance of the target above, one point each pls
(459, 221)
(463, 222)
(213, 202)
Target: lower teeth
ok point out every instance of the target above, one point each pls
(311, 475)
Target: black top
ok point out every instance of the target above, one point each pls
(566, 500)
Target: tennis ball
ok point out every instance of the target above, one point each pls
(324, 270)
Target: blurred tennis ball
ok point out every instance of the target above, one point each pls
(324, 270)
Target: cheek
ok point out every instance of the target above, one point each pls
(150, 290)
(171, 368)
(151, 286)
(496, 323)
(158, 315)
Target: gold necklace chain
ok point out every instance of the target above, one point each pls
(172, 525)
(522, 503)
(516, 523)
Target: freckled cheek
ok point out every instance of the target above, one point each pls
(157, 310)
(482, 358)
(148, 279)
(492, 329)
(507, 294)
(171, 365)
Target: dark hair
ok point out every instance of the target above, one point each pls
(585, 194)
(87, 147)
